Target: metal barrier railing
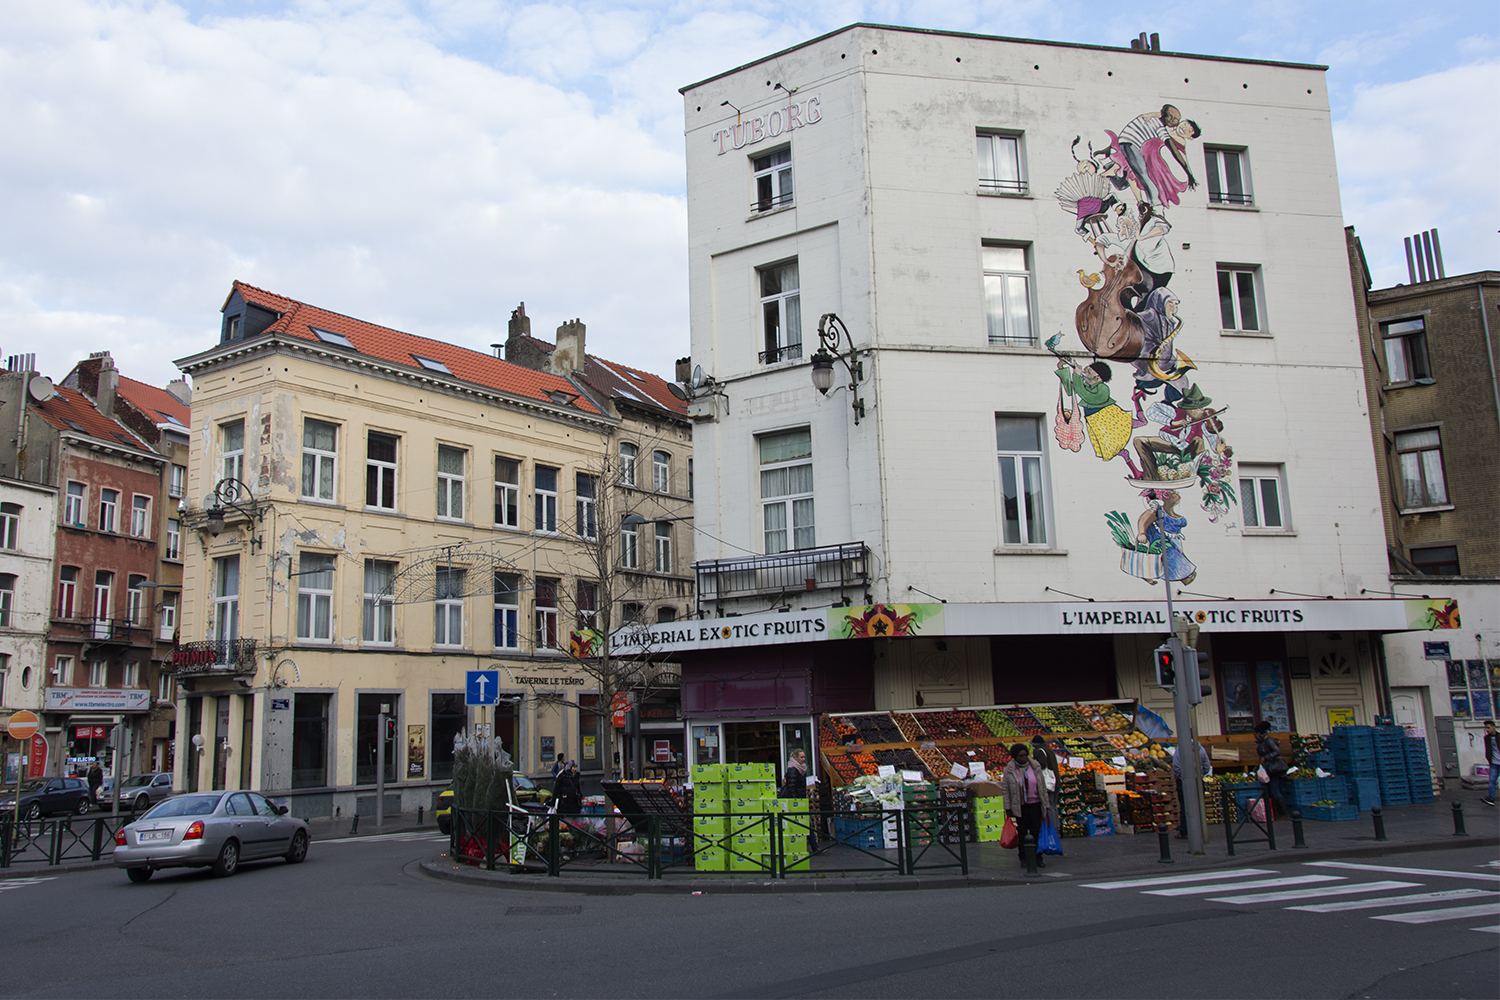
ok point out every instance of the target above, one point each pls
(57, 841)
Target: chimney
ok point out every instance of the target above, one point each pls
(109, 384)
(1424, 257)
(684, 369)
(179, 390)
(520, 328)
(568, 356)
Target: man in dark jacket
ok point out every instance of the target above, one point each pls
(95, 779)
(1275, 764)
(568, 790)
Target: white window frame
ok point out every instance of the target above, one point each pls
(232, 462)
(1228, 186)
(661, 471)
(166, 622)
(109, 509)
(630, 547)
(135, 600)
(67, 592)
(546, 500)
(104, 599)
(1404, 347)
(140, 516)
(166, 687)
(996, 149)
(1237, 275)
(226, 627)
(177, 481)
(62, 671)
(75, 503)
(448, 616)
(7, 598)
(450, 484)
(586, 491)
(546, 634)
(174, 540)
(1005, 328)
(132, 674)
(771, 179)
(318, 463)
(315, 588)
(782, 336)
(792, 527)
(507, 611)
(1434, 494)
(507, 492)
(664, 548)
(1254, 480)
(98, 673)
(377, 621)
(10, 526)
(629, 457)
(587, 592)
(382, 474)
(1033, 529)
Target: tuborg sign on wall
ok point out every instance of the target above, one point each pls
(773, 123)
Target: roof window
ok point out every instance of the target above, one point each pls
(124, 439)
(75, 425)
(431, 365)
(169, 418)
(329, 337)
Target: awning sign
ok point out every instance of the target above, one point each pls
(97, 700)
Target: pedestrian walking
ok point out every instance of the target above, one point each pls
(1205, 767)
(1025, 793)
(1273, 764)
(558, 766)
(567, 789)
(95, 779)
(1047, 760)
(794, 786)
(1492, 758)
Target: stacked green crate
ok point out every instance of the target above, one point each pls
(989, 817)
(751, 793)
(711, 833)
(921, 799)
(796, 828)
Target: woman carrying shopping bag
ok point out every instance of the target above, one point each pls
(1025, 792)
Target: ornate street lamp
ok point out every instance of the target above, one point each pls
(829, 351)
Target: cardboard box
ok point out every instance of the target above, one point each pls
(706, 774)
(711, 824)
(983, 789)
(741, 806)
(750, 789)
(750, 772)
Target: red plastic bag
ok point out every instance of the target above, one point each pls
(1009, 837)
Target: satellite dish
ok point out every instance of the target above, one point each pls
(679, 392)
(697, 376)
(41, 388)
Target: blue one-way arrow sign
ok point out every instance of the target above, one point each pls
(483, 687)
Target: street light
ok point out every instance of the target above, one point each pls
(232, 495)
(829, 351)
(633, 519)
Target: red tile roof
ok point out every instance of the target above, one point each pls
(158, 404)
(71, 405)
(616, 381)
(298, 319)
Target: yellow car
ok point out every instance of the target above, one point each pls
(527, 793)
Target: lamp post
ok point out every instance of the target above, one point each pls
(829, 351)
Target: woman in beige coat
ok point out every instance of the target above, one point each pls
(1025, 793)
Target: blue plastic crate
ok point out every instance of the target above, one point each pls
(1310, 790)
(1396, 798)
(863, 833)
(1423, 793)
(1365, 793)
(1330, 814)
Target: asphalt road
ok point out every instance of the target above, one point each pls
(359, 920)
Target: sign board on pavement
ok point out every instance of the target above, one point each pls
(482, 687)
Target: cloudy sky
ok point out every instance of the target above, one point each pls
(429, 163)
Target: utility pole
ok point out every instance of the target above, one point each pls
(380, 725)
(1187, 739)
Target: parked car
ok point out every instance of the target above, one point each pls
(141, 791)
(44, 796)
(528, 791)
(215, 830)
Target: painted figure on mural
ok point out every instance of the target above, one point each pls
(1189, 429)
(1137, 150)
(1109, 426)
(1162, 524)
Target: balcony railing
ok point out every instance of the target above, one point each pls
(104, 630)
(827, 567)
(790, 352)
(214, 656)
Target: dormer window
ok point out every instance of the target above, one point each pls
(430, 364)
(561, 398)
(329, 337)
(231, 328)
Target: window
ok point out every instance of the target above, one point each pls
(315, 597)
(132, 675)
(10, 525)
(631, 613)
(1007, 295)
(786, 488)
(380, 471)
(140, 516)
(666, 613)
(67, 591)
(448, 624)
(310, 740)
(329, 337)
(1228, 173)
(446, 720)
(546, 613)
(1406, 350)
(588, 605)
(166, 690)
(431, 364)
(690, 478)
(1262, 497)
(98, 673)
(1473, 688)
(104, 584)
(450, 482)
(1420, 454)
(1000, 163)
(367, 733)
(1440, 560)
(7, 598)
(628, 453)
(379, 608)
(232, 447)
(177, 483)
(507, 611)
(664, 548)
(661, 471)
(1239, 298)
(174, 538)
(167, 624)
(630, 547)
(320, 442)
(773, 179)
(507, 493)
(1023, 490)
(588, 506)
(226, 604)
(73, 505)
(135, 599)
(231, 328)
(62, 671)
(546, 499)
(109, 507)
(781, 313)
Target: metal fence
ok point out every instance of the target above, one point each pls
(57, 841)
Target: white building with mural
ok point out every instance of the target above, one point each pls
(1099, 334)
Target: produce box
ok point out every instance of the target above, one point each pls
(710, 799)
(707, 774)
(863, 833)
(750, 789)
(762, 862)
(1336, 814)
(742, 806)
(711, 859)
(750, 772)
(757, 824)
(717, 825)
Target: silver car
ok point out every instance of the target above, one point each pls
(140, 792)
(214, 830)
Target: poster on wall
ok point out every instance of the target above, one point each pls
(1456, 675)
(1273, 706)
(1460, 706)
(1239, 707)
(1340, 717)
(590, 748)
(416, 751)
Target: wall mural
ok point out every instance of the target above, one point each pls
(1161, 422)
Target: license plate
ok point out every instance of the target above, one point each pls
(149, 835)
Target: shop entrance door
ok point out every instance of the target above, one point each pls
(797, 736)
(706, 745)
(1252, 692)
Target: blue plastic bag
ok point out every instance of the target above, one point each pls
(1047, 842)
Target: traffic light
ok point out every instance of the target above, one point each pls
(390, 730)
(1166, 668)
(1192, 665)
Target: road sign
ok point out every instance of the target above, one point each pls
(22, 725)
(482, 688)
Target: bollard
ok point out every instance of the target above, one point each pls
(1458, 820)
(1227, 801)
(1379, 819)
(1028, 851)
(354, 827)
(1298, 843)
(1165, 839)
(419, 815)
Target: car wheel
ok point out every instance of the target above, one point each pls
(142, 803)
(297, 853)
(34, 811)
(228, 860)
(138, 874)
(83, 807)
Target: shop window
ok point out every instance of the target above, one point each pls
(320, 449)
(448, 624)
(546, 499)
(1406, 350)
(1023, 480)
(315, 597)
(1420, 455)
(310, 740)
(380, 471)
(1001, 163)
(10, 526)
(546, 614)
(366, 726)
(450, 482)
(1474, 688)
(587, 491)
(507, 493)
(786, 491)
(232, 450)
(1437, 560)
(1007, 295)
(379, 608)
(1228, 173)
(781, 312)
(507, 611)
(73, 504)
(446, 721)
(773, 179)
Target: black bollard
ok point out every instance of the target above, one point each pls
(1458, 820)
(1028, 851)
(1298, 843)
(1165, 838)
(354, 827)
(1227, 801)
(1379, 819)
(419, 815)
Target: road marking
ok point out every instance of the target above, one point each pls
(1371, 904)
(1322, 890)
(1486, 876)
(1489, 930)
(1433, 916)
(16, 883)
(384, 838)
(1265, 883)
(1176, 879)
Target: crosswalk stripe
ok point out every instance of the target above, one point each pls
(1484, 876)
(1433, 916)
(1265, 883)
(1316, 891)
(1177, 879)
(1371, 904)
(1491, 930)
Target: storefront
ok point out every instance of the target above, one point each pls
(91, 721)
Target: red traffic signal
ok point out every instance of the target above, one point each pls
(1166, 667)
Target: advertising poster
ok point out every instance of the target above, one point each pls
(1273, 705)
(416, 751)
(590, 748)
(1340, 717)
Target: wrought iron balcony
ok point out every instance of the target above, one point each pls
(827, 567)
(215, 656)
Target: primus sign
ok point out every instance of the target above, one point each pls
(769, 125)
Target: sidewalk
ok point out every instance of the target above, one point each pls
(1426, 827)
